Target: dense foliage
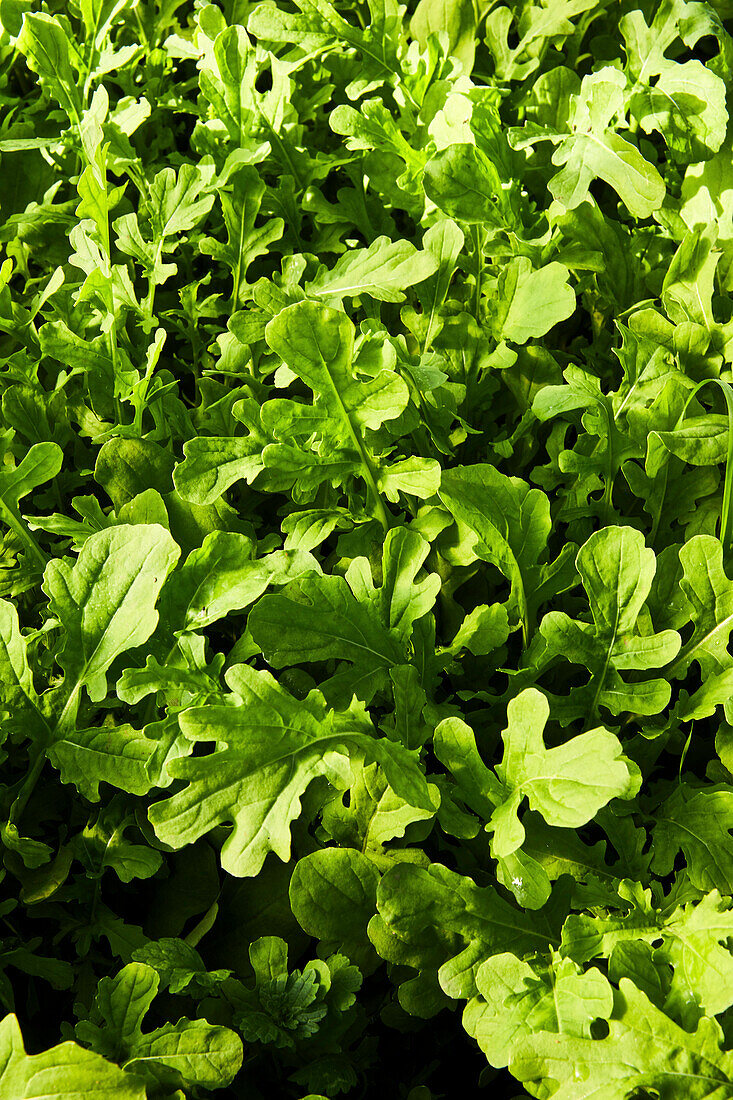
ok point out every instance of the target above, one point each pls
(366, 698)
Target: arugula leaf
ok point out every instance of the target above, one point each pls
(617, 571)
(516, 1000)
(106, 600)
(60, 1071)
(634, 1055)
(372, 609)
(559, 783)
(192, 1053)
(511, 524)
(348, 619)
(595, 150)
(274, 747)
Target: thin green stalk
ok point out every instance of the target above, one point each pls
(29, 784)
(152, 285)
(370, 476)
(476, 235)
(66, 718)
(369, 471)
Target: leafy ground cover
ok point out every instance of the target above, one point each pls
(366, 575)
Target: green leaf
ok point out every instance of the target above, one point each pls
(245, 240)
(318, 27)
(192, 1053)
(510, 523)
(118, 755)
(458, 18)
(273, 746)
(567, 784)
(595, 150)
(179, 966)
(333, 897)
(222, 576)
(444, 241)
(227, 80)
(17, 692)
(177, 202)
(464, 183)
(106, 600)
(374, 817)
(47, 48)
(516, 1000)
(348, 619)
(383, 271)
(62, 1072)
(103, 844)
(211, 466)
(617, 571)
(434, 919)
(532, 301)
(686, 105)
(40, 464)
(699, 824)
(633, 1056)
(317, 343)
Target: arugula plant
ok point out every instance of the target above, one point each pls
(366, 549)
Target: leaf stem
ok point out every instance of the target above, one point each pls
(370, 476)
(39, 759)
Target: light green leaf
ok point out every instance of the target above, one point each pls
(317, 343)
(709, 596)
(273, 746)
(567, 784)
(245, 240)
(444, 240)
(699, 824)
(594, 149)
(320, 617)
(212, 465)
(318, 27)
(436, 920)
(458, 18)
(483, 630)
(532, 301)
(617, 570)
(63, 1072)
(382, 271)
(465, 185)
(510, 523)
(179, 201)
(417, 477)
(106, 599)
(699, 440)
(635, 1055)
(227, 81)
(118, 755)
(40, 464)
(686, 105)
(517, 999)
(16, 679)
(192, 1053)
(47, 48)
(333, 896)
